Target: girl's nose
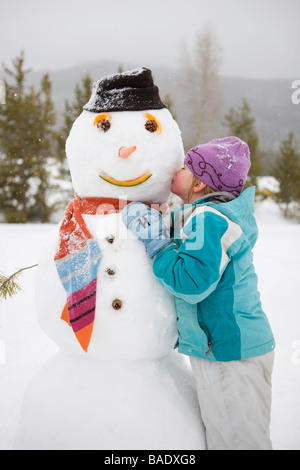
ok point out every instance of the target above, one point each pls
(124, 152)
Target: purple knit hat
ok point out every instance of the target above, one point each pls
(222, 164)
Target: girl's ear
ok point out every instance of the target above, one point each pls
(199, 187)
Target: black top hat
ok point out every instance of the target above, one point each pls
(128, 91)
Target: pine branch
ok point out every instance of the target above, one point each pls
(9, 285)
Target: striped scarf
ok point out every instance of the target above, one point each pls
(77, 260)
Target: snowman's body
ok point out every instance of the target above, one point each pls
(135, 317)
(131, 390)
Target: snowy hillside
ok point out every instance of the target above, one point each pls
(24, 347)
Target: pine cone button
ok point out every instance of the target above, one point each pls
(117, 304)
(110, 272)
(151, 125)
(103, 125)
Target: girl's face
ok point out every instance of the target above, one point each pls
(182, 182)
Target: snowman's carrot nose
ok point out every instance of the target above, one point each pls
(124, 152)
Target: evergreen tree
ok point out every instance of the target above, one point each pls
(287, 173)
(45, 163)
(82, 95)
(240, 123)
(26, 133)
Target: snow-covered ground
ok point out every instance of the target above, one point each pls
(24, 347)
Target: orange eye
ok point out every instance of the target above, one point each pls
(101, 121)
(152, 124)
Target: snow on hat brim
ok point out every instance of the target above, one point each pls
(128, 91)
(222, 164)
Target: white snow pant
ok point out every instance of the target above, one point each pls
(235, 402)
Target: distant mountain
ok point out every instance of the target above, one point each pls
(270, 100)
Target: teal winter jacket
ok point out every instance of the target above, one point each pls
(211, 274)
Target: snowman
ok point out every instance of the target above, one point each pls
(116, 381)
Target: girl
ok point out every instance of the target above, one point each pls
(207, 264)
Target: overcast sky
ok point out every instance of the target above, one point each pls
(260, 38)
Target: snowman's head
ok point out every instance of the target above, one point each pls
(125, 144)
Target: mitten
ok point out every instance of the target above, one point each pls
(148, 226)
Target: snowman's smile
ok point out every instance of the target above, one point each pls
(127, 183)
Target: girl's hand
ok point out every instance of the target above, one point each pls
(148, 226)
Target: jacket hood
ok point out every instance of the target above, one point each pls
(241, 211)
